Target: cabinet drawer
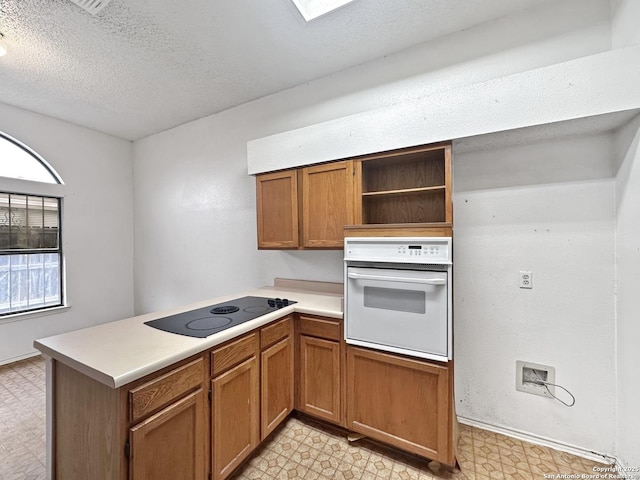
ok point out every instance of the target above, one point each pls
(321, 327)
(161, 391)
(274, 332)
(233, 353)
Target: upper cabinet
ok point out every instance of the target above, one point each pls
(277, 206)
(306, 207)
(327, 204)
(410, 186)
(403, 192)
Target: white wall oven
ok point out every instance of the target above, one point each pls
(398, 295)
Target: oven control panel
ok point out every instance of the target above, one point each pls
(436, 250)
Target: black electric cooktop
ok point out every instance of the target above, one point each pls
(206, 321)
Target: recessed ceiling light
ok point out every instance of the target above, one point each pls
(311, 9)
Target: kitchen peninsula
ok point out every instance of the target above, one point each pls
(128, 401)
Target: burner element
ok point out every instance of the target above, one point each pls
(224, 310)
(208, 323)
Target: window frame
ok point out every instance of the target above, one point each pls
(19, 186)
(43, 251)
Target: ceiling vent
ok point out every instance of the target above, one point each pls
(92, 6)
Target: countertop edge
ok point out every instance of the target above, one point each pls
(48, 345)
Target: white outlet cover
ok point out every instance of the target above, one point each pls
(534, 388)
(525, 279)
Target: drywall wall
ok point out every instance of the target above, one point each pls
(627, 148)
(195, 204)
(97, 225)
(544, 95)
(624, 23)
(563, 232)
(195, 219)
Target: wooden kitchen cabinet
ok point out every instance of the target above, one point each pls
(235, 404)
(404, 192)
(405, 402)
(151, 428)
(327, 204)
(305, 207)
(320, 367)
(277, 380)
(160, 426)
(169, 444)
(277, 210)
(405, 186)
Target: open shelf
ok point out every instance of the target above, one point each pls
(409, 186)
(424, 207)
(404, 191)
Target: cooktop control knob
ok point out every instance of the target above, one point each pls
(285, 301)
(271, 302)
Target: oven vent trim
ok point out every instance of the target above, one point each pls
(436, 267)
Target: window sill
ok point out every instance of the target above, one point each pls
(36, 313)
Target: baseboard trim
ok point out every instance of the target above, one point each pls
(545, 442)
(624, 471)
(19, 357)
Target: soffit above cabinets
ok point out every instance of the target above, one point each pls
(557, 94)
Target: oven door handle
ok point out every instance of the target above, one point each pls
(427, 281)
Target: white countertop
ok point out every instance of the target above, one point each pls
(120, 352)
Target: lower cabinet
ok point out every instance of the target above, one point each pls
(320, 350)
(161, 426)
(401, 401)
(169, 444)
(277, 379)
(251, 393)
(167, 417)
(235, 404)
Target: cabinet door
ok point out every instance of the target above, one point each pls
(327, 204)
(170, 444)
(320, 378)
(277, 209)
(234, 417)
(277, 384)
(400, 401)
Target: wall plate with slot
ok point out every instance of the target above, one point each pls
(529, 375)
(525, 279)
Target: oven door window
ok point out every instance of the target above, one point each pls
(395, 299)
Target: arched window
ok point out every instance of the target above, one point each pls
(19, 161)
(30, 246)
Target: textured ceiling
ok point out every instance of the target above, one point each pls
(142, 66)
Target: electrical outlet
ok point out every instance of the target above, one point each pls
(529, 378)
(525, 279)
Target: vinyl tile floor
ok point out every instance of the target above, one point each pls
(298, 449)
(22, 420)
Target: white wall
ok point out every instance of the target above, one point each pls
(627, 143)
(624, 23)
(562, 231)
(195, 205)
(195, 228)
(625, 32)
(97, 225)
